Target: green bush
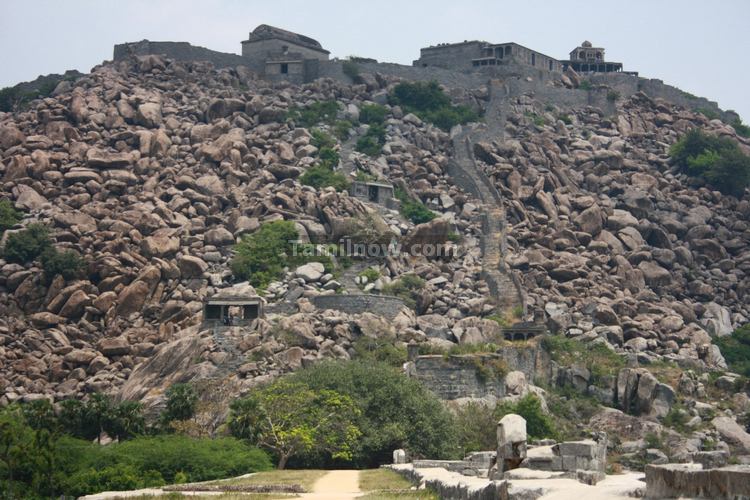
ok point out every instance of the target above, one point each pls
(315, 113)
(406, 288)
(67, 263)
(396, 411)
(342, 128)
(380, 350)
(371, 273)
(585, 85)
(261, 256)
(717, 160)
(26, 245)
(413, 210)
(14, 97)
(736, 350)
(9, 216)
(321, 139)
(613, 95)
(372, 142)
(476, 427)
(597, 358)
(429, 102)
(320, 176)
(351, 69)
(372, 114)
(539, 425)
(741, 129)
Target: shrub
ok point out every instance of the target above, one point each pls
(315, 113)
(736, 349)
(9, 216)
(585, 85)
(321, 176)
(261, 256)
(536, 119)
(396, 411)
(413, 210)
(28, 244)
(717, 160)
(429, 102)
(12, 98)
(372, 114)
(381, 350)
(372, 142)
(342, 128)
(321, 139)
(67, 263)
(565, 118)
(351, 69)
(709, 113)
(371, 273)
(613, 95)
(476, 427)
(406, 288)
(597, 358)
(539, 425)
(741, 129)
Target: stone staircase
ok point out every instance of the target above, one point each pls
(465, 172)
(235, 358)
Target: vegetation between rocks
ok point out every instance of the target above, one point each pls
(428, 101)
(716, 160)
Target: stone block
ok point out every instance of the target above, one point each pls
(585, 448)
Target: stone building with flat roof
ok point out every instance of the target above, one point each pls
(476, 55)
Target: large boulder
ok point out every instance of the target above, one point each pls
(149, 115)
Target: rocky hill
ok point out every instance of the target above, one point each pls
(152, 169)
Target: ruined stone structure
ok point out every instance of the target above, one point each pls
(375, 192)
(589, 59)
(476, 54)
(511, 443)
(231, 309)
(280, 54)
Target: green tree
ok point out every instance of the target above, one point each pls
(289, 418)
(182, 401)
(396, 411)
(67, 263)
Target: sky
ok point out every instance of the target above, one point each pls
(701, 47)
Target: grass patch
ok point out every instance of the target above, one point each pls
(382, 479)
(372, 142)
(306, 478)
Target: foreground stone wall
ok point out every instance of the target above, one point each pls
(691, 481)
(454, 486)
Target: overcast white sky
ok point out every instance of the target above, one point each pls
(702, 47)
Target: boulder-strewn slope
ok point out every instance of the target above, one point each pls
(152, 169)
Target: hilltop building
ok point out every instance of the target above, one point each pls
(473, 55)
(280, 54)
(589, 59)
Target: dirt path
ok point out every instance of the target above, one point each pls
(336, 485)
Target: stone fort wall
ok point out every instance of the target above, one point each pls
(382, 305)
(519, 78)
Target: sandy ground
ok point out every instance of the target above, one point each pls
(336, 485)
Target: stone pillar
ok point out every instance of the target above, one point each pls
(511, 444)
(399, 457)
